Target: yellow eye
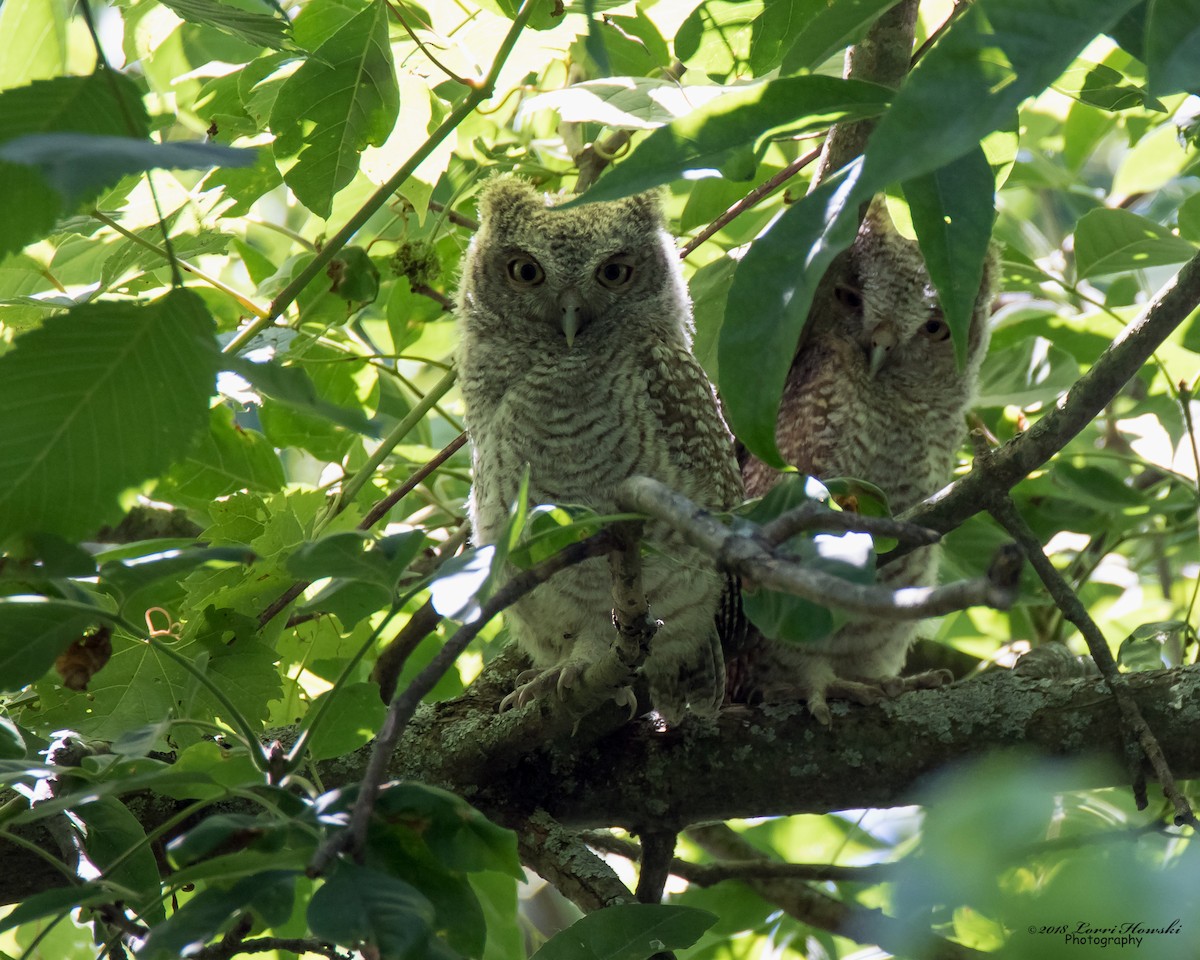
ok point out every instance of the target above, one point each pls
(935, 329)
(615, 273)
(525, 271)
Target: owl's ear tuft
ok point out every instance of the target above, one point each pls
(645, 208)
(505, 194)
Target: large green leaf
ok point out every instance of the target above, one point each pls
(768, 302)
(80, 164)
(222, 460)
(361, 905)
(994, 57)
(35, 630)
(33, 39)
(342, 99)
(953, 209)
(1116, 241)
(827, 28)
(99, 400)
(116, 843)
(204, 916)
(707, 138)
(258, 28)
(1173, 46)
(100, 103)
(630, 931)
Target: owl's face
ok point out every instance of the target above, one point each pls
(884, 312)
(566, 278)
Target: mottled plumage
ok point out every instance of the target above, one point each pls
(576, 358)
(874, 393)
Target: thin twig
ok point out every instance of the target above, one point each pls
(710, 874)
(1065, 599)
(479, 92)
(744, 555)
(960, 7)
(818, 909)
(755, 196)
(374, 515)
(1017, 459)
(404, 705)
(815, 516)
(395, 8)
(425, 290)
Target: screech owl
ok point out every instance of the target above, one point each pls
(575, 358)
(874, 393)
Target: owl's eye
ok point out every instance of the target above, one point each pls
(525, 271)
(615, 273)
(935, 329)
(848, 297)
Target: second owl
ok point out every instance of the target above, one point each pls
(575, 358)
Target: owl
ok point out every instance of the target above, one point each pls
(873, 393)
(575, 359)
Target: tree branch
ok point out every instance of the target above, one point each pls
(1003, 469)
(1064, 597)
(818, 909)
(562, 858)
(750, 559)
(745, 764)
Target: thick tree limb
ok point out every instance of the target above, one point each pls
(750, 762)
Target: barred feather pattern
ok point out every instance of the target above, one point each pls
(624, 396)
(897, 426)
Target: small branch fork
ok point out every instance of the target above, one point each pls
(1002, 508)
(756, 561)
(634, 630)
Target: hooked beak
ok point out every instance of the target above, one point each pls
(883, 338)
(574, 313)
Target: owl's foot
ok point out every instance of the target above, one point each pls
(532, 684)
(861, 693)
(929, 680)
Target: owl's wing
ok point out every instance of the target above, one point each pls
(697, 442)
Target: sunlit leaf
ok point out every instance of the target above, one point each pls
(1114, 241)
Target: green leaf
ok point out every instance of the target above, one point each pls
(459, 836)
(1173, 46)
(291, 385)
(35, 630)
(12, 743)
(78, 164)
(825, 28)
(128, 576)
(850, 556)
(993, 57)
(632, 931)
(1116, 241)
(33, 40)
(953, 209)
(358, 556)
(222, 460)
(31, 207)
(100, 103)
(202, 917)
(355, 720)
(963, 78)
(257, 28)
(706, 138)
(460, 581)
(1034, 371)
(360, 905)
(341, 100)
(116, 843)
(54, 901)
(768, 303)
(131, 384)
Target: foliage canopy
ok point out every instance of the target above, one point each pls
(227, 264)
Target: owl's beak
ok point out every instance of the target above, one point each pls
(574, 313)
(883, 338)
